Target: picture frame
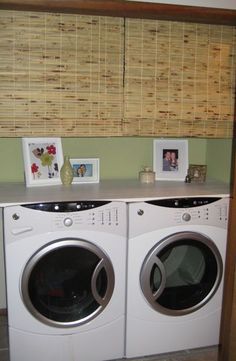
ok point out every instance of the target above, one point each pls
(197, 173)
(170, 159)
(43, 159)
(85, 170)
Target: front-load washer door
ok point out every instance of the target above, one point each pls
(181, 273)
(67, 283)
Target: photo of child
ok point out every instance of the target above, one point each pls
(83, 170)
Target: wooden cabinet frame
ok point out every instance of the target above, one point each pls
(123, 8)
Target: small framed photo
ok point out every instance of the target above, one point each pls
(170, 159)
(197, 173)
(43, 159)
(86, 170)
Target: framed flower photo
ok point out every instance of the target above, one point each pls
(170, 159)
(85, 170)
(43, 159)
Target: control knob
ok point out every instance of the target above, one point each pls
(68, 222)
(186, 217)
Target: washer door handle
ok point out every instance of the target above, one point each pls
(100, 300)
(161, 288)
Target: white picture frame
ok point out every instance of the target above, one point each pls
(170, 159)
(43, 159)
(85, 170)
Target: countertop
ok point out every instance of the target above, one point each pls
(119, 190)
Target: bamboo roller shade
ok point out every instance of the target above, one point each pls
(60, 74)
(76, 75)
(179, 79)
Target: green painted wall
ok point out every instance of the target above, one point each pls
(120, 158)
(218, 158)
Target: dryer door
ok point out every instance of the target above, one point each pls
(67, 282)
(181, 273)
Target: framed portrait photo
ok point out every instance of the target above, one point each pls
(85, 170)
(170, 159)
(43, 159)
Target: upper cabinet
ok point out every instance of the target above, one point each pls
(226, 4)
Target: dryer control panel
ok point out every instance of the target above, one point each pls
(203, 210)
(178, 212)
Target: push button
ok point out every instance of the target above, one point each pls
(140, 212)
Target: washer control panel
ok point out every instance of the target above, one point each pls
(65, 207)
(31, 219)
(77, 214)
(106, 216)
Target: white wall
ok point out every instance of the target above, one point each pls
(223, 4)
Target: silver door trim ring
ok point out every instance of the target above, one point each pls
(151, 260)
(104, 263)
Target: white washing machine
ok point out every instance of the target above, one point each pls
(66, 278)
(176, 257)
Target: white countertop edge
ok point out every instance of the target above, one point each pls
(110, 190)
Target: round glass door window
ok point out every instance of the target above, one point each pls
(67, 283)
(181, 273)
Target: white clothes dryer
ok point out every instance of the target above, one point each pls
(176, 258)
(66, 273)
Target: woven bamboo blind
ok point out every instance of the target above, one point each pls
(179, 79)
(72, 75)
(60, 74)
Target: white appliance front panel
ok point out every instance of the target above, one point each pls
(36, 229)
